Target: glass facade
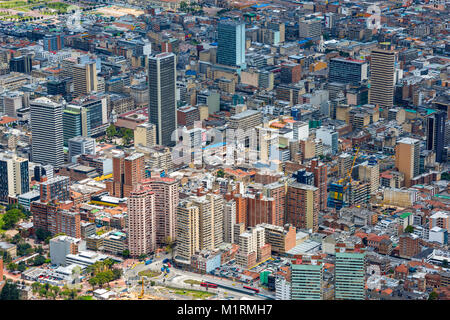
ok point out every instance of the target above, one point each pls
(350, 276)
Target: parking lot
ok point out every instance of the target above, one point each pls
(232, 271)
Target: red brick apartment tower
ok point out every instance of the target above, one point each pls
(260, 210)
(302, 206)
(141, 222)
(241, 207)
(319, 170)
(277, 191)
(134, 169)
(166, 202)
(127, 173)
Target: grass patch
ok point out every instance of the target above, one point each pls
(85, 298)
(196, 294)
(149, 273)
(191, 281)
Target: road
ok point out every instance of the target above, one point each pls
(177, 277)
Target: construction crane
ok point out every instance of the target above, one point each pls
(349, 173)
(345, 182)
(142, 288)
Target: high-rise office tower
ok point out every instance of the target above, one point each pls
(14, 176)
(46, 132)
(21, 64)
(84, 78)
(347, 70)
(302, 206)
(436, 134)
(329, 138)
(311, 28)
(369, 171)
(75, 123)
(81, 145)
(53, 42)
(162, 76)
(350, 270)
(128, 172)
(166, 201)
(307, 279)
(382, 77)
(141, 222)
(187, 230)
(407, 158)
(83, 72)
(231, 43)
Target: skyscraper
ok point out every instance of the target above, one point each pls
(21, 64)
(350, 270)
(47, 132)
(166, 201)
(347, 70)
(128, 171)
(319, 169)
(307, 279)
(162, 77)
(302, 206)
(81, 145)
(231, 43)
(141, 222)
(14, 177)
(76, 123)
(211, 207)
(436, 134)
(187, 230)
(407, 158)
(382, 77)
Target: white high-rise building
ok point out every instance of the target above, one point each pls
(47, 132)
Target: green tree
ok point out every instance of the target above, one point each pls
(126, 253)
(42, 234)
(445, 263)
(111, 131)
(10, 292)
(12, 266)
(16, 239)
(93, 282)
(409, 229)
(39, 250)
(11, 218)
(21, 267)
(433, 296)
(24, 249)
(39, 260)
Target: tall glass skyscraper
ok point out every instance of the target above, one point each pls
(231, 43)
(47, 132)
(162, 76)
(306, 281)
(436, 134)
(350, 270)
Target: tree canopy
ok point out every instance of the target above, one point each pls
(10, 292)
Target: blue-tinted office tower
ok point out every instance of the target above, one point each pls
(436, 134)
(231, 44)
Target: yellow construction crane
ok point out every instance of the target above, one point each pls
(349, 173)
(142, 289)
